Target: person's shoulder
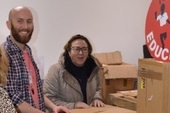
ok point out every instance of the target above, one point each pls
(6, 105)
(3, 95)
(57, 66)
(60, 62)
(8, 46)
(5, 45)
(7, 42)
(2, 92)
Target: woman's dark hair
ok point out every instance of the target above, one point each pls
(67, 47)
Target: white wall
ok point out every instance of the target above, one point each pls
(110, 25)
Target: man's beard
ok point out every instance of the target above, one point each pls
(18, 38)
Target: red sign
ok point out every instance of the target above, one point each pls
(157, 31)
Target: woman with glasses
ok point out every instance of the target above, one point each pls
(74, 81)
(6, 105)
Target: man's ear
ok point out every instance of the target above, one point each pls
(8, 24)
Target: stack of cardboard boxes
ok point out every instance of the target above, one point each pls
(118, 75)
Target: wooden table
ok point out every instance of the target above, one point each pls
(106, 109)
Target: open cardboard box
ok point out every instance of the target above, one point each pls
(124, 70)
(109, 57)
(117, 78)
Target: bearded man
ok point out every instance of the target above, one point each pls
(24, 84)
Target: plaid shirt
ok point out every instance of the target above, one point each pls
(18, 81)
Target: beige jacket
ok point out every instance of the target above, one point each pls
(63, 89)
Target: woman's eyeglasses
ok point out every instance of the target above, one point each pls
(78, 49)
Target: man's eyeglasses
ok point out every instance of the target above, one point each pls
(78, 49)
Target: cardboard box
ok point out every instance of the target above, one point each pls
(113, 85)
(117, 78)
(109, 57)
(106, 109)
(153, 87)
(124, 70)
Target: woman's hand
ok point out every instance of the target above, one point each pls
(58, 109)
(97, 103)
(81, 105)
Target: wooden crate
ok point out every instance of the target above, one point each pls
(124, 99)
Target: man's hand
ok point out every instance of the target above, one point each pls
(81, 105)
(97, 103)
(61, 109)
